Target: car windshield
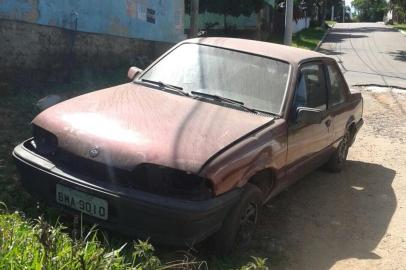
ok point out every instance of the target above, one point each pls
(258, 82)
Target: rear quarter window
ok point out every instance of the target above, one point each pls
(337, 87)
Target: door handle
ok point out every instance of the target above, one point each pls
(328, 123)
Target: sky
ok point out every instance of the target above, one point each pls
(348, 3)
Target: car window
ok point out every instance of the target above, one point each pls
(337, 86)
(310, 90)
(257, 81)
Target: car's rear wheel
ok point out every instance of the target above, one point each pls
(240, 224)
(338, 159)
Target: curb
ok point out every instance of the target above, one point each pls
(401, 31)
(323, 38)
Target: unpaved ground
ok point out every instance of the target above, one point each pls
(355, 219)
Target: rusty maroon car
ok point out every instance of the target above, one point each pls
(196, 142)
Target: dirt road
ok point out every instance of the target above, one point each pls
(355, 219)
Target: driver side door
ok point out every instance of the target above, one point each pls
(307, 142)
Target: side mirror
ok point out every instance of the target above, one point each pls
(308, 116)
(133, 72)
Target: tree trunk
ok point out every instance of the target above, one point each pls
(287, 39)
(258, 26)
(194, 18)
(225, 22)
(323, 16)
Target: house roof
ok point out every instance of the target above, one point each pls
(289, 54)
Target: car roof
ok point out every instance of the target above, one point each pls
(292, 55)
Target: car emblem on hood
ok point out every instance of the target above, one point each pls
(94, 152)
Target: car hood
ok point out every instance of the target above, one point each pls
(132, 124)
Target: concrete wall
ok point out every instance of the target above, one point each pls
(158, 20)
(47, 40)
(32, 53)
(301, 24)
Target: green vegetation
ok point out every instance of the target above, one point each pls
(26, 244)
(330, 23)
(308, 38)
(400, 26)
(37, 245)
(305, 39)
(370, 11)
(398, 8)
(225, 8)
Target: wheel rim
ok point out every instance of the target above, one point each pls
(248, 224)
(343, 150)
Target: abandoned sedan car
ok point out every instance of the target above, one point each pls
(196, 142)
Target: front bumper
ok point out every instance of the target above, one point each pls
(132, 212)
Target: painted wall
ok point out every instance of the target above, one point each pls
(241, 22)
(157, 20)
(301, 24)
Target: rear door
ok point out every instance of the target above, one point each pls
(307, 141)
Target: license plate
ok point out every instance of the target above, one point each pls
(82, 202)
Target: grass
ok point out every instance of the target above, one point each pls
(305, 39)
(331, 23)
(308, 38)
(37, 245)
(400, 26)
(26, 244)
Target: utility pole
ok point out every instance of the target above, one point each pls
(287, 40)
(194, 18)
(332, 12)
(323, 14)
(343, 11)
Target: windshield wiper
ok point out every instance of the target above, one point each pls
(218, 98)
(167, 86)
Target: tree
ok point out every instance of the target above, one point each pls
(399, 10)
(228, 7)
(320, 9)
(194, 18)
(370, 10)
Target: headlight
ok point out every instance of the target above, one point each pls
(45, 143)
(171, 182)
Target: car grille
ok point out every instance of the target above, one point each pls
(88, 169)
(144, 177)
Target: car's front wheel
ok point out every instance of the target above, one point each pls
(338, 159)
(240, 224)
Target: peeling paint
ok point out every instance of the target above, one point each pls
(156, 20)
